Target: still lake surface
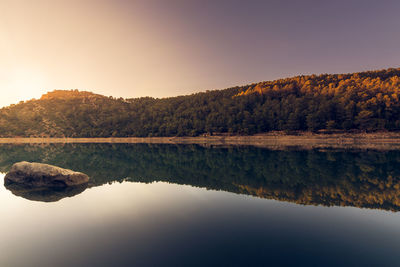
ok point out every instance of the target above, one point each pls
(188, 205)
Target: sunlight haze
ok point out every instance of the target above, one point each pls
(168, 48)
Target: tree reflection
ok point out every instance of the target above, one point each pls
(368, 179)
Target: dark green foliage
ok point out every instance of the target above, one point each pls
(366, 101)
(346, 178)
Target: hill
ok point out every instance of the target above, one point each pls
(366, 101)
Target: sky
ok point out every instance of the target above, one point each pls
(167, 48)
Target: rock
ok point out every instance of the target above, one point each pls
(43, 175)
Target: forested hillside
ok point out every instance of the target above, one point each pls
(361, 101)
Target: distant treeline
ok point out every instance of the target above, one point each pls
(366, 101)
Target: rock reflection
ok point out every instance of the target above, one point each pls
(368, 179)
(45, 194)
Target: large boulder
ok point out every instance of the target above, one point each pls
(43, 175)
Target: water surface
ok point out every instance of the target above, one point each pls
(167, 205)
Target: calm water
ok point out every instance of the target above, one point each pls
(165, 205)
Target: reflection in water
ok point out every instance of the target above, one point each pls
(45, 194)
(148, 223)
(344, 178)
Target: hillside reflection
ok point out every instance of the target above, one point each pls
(367, 179)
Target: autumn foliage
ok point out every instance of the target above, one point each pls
(366, 101)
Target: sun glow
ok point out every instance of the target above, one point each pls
(23, 84)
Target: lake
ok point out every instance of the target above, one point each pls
(191, 205)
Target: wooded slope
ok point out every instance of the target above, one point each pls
(362, 101)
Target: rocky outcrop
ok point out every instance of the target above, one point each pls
(43, 175)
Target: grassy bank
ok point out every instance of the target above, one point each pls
(273, 140)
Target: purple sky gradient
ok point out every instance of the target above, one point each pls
(167, 48)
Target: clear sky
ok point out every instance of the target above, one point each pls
(174, 47)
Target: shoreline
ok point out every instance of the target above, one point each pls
(272, 140)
